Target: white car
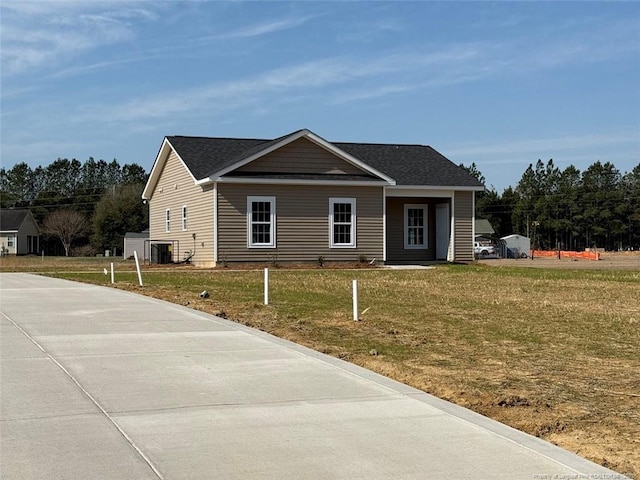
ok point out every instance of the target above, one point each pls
(483, 250)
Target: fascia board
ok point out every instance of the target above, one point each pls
(438, 187)
(158, 164)
(155, 170)
(273, 181)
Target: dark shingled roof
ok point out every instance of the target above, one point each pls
(11, 219)
(411, 164)
(204, 155)
(407, 164)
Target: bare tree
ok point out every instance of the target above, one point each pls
(67, 225)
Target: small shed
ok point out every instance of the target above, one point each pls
(517, 246)
(134, 242)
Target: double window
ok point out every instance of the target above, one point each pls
(261, 222)
(415, 226)
(167, 221)
(342, 222)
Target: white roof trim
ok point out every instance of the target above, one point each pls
(437, 187)
(349, 158)
(293, 181)
(158, 164)
(292, 138)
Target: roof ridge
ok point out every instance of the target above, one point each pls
(293, 133)
(384, 144)
(220, 138)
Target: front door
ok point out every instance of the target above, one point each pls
(443, 233)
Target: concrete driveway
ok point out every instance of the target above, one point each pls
(98, 383)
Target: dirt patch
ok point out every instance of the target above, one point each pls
(608, 261)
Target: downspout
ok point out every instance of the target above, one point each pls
(215, 223)
(473, 223)
(384, 224)
(453, 226)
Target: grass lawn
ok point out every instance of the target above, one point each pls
(552, 352)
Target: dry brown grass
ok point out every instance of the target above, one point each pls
(551, 352)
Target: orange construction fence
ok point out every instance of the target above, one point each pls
(565, 254)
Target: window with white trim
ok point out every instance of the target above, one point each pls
(167, 221)
(10, 240)
(342, 222)
(184, 217)
(415, 226)
(261, 222)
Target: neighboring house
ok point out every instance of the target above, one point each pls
(300, 197)
(19, 232)
(483, 228)
(135, 242)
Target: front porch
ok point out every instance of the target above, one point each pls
(418, 229)
(428, 224)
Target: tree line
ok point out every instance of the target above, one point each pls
(100, 201)
(82, 208)
(567, 209)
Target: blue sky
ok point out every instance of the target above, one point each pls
(501, 84)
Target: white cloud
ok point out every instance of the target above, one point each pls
(388, 74)
(265, 28)
(47, 33)
(369, 93)
(535, 147)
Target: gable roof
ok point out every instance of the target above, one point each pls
(209, 158)
(12, 219)
(483, 227)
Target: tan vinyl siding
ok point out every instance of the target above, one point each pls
(302, 223)
(175, 189)
(463, 226)
(301, 156)
(395, 231)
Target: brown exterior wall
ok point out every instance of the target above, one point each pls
(463, 226)
(395, 230)
(302, 223)
(301, 156)
(176, 188)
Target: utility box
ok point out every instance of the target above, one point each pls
(516, 246)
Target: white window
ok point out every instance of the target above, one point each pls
(167, 221)
(261, 222)
(184, 217)
(342, 222)
(10, 241)
(415, 226)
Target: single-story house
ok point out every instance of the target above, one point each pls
(19, 232)
(300, 197)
